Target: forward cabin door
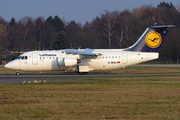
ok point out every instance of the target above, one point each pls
(124, 57)
(34, 58)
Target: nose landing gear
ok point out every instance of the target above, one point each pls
(17, 73)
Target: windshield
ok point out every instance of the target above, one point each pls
(22, 57)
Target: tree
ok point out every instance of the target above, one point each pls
(49, 34)
(79, 39)
(109, 20)
(139, 19)
(166, 5)
(61, 41)
(72, 28)
(58, 24)
(170, 48)
(96, 27)
(51, 28)
(13, 35)
(166, 9)
(39, 28)
(26, 21)
(13, 21)
(123, 28)
(30, 43)
(91, 37)
(49, 20)
(1, 37)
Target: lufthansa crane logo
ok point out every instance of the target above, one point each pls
(153, 39)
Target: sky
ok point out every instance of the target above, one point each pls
(76, 10)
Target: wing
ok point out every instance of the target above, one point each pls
(83, 52)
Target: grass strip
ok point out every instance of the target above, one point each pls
(148, 97)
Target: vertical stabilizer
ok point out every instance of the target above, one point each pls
(151, 40)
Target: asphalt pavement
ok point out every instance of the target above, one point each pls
(13, 79)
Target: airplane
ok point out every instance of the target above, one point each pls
(85, 60)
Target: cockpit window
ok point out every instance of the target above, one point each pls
(18, 57)
(23, 57)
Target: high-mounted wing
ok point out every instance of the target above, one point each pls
(82, 52)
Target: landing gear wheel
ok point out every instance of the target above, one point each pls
(17, 73)
(83, 73)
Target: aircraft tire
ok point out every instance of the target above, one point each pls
(83, 73)
(17, 73)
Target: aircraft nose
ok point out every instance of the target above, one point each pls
(8, 65)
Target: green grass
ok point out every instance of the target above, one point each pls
(149, 97)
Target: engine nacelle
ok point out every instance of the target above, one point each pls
(67, 61)
(60, 61)
(70, 61)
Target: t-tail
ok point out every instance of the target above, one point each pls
(151, 40)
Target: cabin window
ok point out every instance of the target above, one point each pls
(119, 56)
(106, 57)
(116, 57)
(112, 57)
(43, 57)
(109, 56)
(49, 57)
(39, 57)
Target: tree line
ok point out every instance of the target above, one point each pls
(110, 30)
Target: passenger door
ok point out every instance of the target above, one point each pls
(124, 57)
(35, 58)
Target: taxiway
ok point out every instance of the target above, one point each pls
(13, 79)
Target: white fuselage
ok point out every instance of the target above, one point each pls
(109, 59)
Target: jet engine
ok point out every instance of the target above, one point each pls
(67, 61)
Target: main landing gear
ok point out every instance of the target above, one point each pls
(83, 73)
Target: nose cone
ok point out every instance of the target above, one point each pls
(8, 65)
(13, 65)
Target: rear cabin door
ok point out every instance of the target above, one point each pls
(35, 58)
(125, 58)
